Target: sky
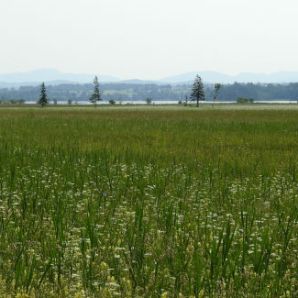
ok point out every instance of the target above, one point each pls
(149, 39)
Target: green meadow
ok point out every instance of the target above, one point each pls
(148, 202)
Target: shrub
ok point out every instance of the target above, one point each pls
(244, 100)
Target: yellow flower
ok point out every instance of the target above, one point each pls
(79, 295)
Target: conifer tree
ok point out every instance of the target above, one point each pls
(95, 96)
(198, 92)
(43, 98)
(217, 88)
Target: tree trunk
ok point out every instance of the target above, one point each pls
(198, 103)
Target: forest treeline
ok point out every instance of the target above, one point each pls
(124, 91)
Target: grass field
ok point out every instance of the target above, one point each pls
(148, 202)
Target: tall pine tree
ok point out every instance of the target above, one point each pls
(198, 92)
(95, 96)
(43, 98)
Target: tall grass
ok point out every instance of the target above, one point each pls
(148, 203)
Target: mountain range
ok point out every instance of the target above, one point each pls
(49, 76)
(55, 77)
(245, 77)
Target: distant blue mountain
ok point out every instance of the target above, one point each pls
(55, 77)
(216, 77)
(49, 76)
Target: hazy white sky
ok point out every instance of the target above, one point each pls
(149, 38)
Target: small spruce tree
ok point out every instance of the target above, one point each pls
(95, 96)
(43, 98)
(198, 92)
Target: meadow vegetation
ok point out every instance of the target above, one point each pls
(159, 202)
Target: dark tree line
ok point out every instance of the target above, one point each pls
(121, 91)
